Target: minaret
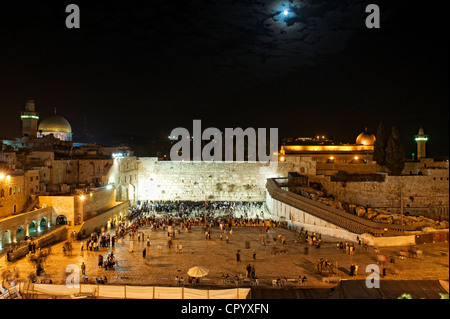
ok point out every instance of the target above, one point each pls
(29, 119)
(421, 140)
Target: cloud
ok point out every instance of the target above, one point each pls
(248, 40)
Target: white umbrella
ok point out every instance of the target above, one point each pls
(197, 271)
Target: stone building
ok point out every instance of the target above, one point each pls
(323, 150)
(17, 190)
(421, 140)
(46, 181)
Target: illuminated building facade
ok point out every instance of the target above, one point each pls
(421, 140)
(57, 126)
(323, 150)
(29, 119)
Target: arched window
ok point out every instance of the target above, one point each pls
(2, 193)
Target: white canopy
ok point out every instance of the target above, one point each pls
(197, 271)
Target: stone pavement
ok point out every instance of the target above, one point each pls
(160, 266)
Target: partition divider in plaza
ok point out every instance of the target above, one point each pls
(131, 292)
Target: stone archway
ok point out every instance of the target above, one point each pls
(32, 229)
(61, 220)
(43, 224)
(20, 234)
(6, 238)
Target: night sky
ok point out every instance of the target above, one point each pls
(146, 67)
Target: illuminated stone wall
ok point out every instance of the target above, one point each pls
(146, 178)
(81, 207)
(16, 197)
(81, 171)
(426, 194)
(16, 191)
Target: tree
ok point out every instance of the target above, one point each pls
(395, 153)
(379, 152)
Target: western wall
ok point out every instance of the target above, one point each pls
(146, 178)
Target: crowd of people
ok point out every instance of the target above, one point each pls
(324, 267)
(221, 219)
(345, 247)
(98, 240)
(108, 262)
(200, 208)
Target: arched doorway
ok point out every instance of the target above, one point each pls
(32, 229)
(61, 220)
(108, 224)
(6, 238)
(20, 234)
(131, 192)
(43, 224)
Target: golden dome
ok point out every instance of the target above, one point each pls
(365, 138)
(55, 124)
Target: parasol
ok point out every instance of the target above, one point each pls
(197, 271)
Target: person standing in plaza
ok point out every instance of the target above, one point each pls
(131, 245)
(169, 242)
(252, 271)
(83, 269)
(352, 270)
(249, 270)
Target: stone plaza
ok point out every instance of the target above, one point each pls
(162, 263)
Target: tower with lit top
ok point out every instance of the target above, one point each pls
(29, 119)
(421, 140)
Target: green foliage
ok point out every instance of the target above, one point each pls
(379, 153)
(395, 153)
